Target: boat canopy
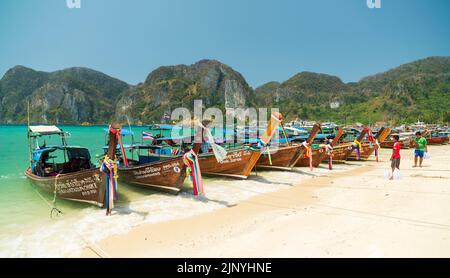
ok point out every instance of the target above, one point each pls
(296, 131)
(163, 127)
(40, 156)
(319, 136)
(214, 130)
(40, 130)
(173, 138)
(125, 146)
(72, 152)
(123, 132)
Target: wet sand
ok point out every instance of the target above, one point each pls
(357, 213)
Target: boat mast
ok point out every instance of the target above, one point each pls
(28, 133)
(284, 133)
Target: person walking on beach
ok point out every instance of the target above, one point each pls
(395, 157)
(421, 148)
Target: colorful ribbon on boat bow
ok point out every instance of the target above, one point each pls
(109, 167)
(358, 147)
(190, 159)
(377, 147)
(119, 138)
(369, 135)
(329, 152)
(308, 154)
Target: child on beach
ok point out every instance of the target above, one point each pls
(395, 158)
(421, 148)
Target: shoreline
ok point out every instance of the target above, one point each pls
(154, 236)
(356, 213)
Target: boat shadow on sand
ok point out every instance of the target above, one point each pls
(122, 207)
(186, 193)
(205, 199)
(259, 178)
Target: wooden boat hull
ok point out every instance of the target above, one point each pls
(341, 152)
(389, 144)
(437, 140)
(283, 158)
(166, 175)
(87, 186)
(365, 153)
(237, 164)
(367, 148)
(317, 157)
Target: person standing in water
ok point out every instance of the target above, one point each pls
(421, 148)
(395, 157)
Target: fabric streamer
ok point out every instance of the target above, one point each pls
(219, 152)
(119, 138)
(269, 155)
(310, 159)
(358, 147)
(329, 151)
(369, 135)
(377, 148)
(190, 159)
(308, 154)
(305, 144)
(109, 167)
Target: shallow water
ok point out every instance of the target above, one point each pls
(26, 229)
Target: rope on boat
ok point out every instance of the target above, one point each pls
(55, 209)
(52, 205)
(91, 245)
(94, 247)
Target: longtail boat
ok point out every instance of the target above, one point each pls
(285, 156)
(405, 142)
(435, 138)
(304, 159)
(64, 171)
(282, 157)
(166, 175)
(342, 151)
(324, 155)
(238, 161)
(319, 154)
(367, 148)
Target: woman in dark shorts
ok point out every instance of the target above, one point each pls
(395, 158)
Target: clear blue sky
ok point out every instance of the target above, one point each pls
(265, 40)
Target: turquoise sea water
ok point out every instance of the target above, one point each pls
(27, 230)
(21, 205)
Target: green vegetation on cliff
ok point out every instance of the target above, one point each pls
(417, 90)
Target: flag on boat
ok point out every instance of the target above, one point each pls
(147, 136)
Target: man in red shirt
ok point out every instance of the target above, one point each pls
(395, 158)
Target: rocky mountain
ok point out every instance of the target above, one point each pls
(420, 89)
(74, 95)
(169, 87)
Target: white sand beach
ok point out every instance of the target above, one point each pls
(352, 213)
